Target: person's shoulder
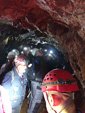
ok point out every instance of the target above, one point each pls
(7, 76)
(8, 73)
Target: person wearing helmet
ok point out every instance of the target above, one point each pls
(58, 88)
(15, 82)
(36, 73)
(9, 64)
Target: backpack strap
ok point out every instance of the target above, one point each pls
(12, 76)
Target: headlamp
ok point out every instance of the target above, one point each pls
(51, 51)
(25, 48)
(45, 50)
(14, 50)
(22, 52)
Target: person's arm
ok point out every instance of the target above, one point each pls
(6, 83)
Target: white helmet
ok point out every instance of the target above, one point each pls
(14, 53)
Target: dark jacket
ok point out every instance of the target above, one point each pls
(38, 69)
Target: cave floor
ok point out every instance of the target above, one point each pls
(42, 108)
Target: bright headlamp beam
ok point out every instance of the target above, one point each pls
(25, 48)
(45, 50)
(51, 51)
(13, 50)
(22, 52)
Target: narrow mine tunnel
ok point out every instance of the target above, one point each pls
(57, 25)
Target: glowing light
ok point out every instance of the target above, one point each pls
(30, 65)
(45, 50)
(25, 48)
(31, 50)
(51, 51)
(49, 54)
(22, 52)
(13, 50)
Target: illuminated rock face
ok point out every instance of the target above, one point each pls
(63, 20)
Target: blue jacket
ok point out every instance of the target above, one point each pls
(16, 87)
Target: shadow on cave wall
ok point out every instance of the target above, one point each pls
(13, 38)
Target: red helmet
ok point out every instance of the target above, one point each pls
(59, 80)
(21, 60)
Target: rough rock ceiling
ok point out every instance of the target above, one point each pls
(62, 20)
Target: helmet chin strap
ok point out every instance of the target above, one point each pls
(48, 106)
(56, 109)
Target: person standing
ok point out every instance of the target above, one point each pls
(36, 74)
(15, 82)
(6, 67)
